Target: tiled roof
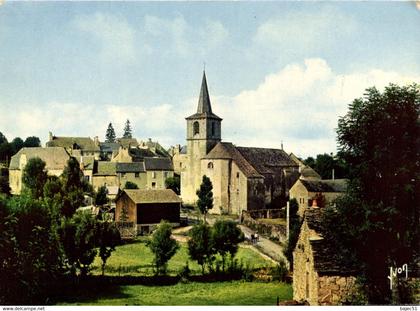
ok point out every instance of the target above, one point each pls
(109, 147)
(133, 167)
(265, 160)
(83, 143)
(153, 196)
(125, 142)
(327, 260)
(88, 162)
(138, 154)
(55, 158)
(158, 164)
(105, 168)
(229, 151)
(337, 185)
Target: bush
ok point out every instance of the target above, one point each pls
(162, 246)
(200, 245)
(279, 272)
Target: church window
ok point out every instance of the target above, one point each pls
(237, 174)
(153, 185)
(196, 127)
(210, 165)
(213, 129)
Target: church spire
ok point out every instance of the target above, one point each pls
(204, 104)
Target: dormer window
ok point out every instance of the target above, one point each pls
(196, 128)
(210, 165)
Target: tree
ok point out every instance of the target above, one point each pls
(4, 181)
(73, 185)
(377, 221)
(294, 229)
(108, 237)
(162, 246)
(173, 183)
(101, 196)
(34, 177)
(205, 196)
(110, 134)
(130, 185)
(32, 141)
(225, 239)
(17, 144)
(325, 164)
(200, 245)
(5, 149)
(127, 130)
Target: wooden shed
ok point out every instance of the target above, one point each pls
(146, 208)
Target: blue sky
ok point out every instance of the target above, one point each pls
(276, 71)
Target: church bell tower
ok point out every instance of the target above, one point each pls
(203, 133)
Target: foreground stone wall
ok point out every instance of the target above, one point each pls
(335, 290)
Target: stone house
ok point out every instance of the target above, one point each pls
(55, 159)
(305, 190)
(320, 276)
(146, 208)
(131, 154)
(150, 173)
(179, 158)
(76, 146)
(243, 178)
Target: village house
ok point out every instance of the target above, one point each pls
(76, 146)
(146, 208)
(320, 276)
(243, 178)
(325, 191)
(55, 159)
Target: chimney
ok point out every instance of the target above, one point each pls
(82, 166)
(96, 140)
(50, 136)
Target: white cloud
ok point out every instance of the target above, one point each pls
(299, 105)
(309, 31)
(183, 38)
(114, 34)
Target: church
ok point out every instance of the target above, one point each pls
(243, 178)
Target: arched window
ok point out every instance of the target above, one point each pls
(196, 128)
(210, 165)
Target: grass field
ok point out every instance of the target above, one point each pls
(136, 259)
(217, 293)
(129, 281)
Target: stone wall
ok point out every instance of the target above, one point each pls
(277, 232)
(335, 290)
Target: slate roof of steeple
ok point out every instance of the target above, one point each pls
(204, 104)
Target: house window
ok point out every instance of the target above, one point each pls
(122, 174)
(86, 178)
(153, 185)
(153, 174)
(137, 174)
(196, 128)
(213, 129)
(210, 165)
(180, 164)
(165, 174)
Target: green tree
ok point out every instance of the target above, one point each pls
(5, 149)
(173, 183)
(205, 196)
(32, 141)
(127, 130)
(110, 134)
(130, 185)
(200, 245)
(17, 144)
(73, 185)
(225, 239)
(294, 230)
(78, 236)
(378, 221)
(4, 181)
(34, 177)
(162, 246)
(108, 237)
(101, 196)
